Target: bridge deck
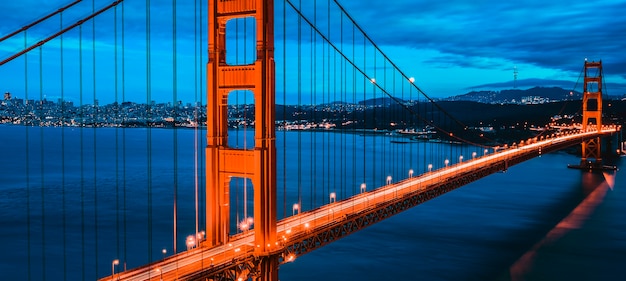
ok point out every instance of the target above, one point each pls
(312, 229)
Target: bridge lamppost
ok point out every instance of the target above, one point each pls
(388, 180)
(296, 207)
(460, 158)
(113, 264)
(446, 162)
(164, 251)
(363, 187)
(430, 167)
(486, 150)
(410, 173)
(473, 154)
(333, 197)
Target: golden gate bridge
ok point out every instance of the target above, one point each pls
(331, 62)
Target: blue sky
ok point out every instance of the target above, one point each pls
(449, 47)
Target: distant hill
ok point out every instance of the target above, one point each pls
(533, 95)
(379, 102)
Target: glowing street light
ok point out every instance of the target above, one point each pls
(485, 153)
(363, 187)
(430, 167)
(158, 270)
(388, 179)
(296, 207)
(191, 242)
(244, 225)
(410, 173)
(333, 197)
(446, 162)
(113, 264)
(200, 236)
(373, 80)
(411, 79)
(460, 158)
(473, 154)
(164, 251)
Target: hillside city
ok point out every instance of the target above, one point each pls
(485, 111)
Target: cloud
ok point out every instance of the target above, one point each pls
(548, 34)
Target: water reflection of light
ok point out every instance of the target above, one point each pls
(610, 179)
(573, 221)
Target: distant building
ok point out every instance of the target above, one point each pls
(7, 96)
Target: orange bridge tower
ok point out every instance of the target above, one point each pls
(223, 162)
(592, 113)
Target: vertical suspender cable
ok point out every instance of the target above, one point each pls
(342, 87)
(397, 164)
(95, 137)
(124, 138)
(384, 162)
(41, 166)
(195, 114)
(202, 140)
(334, 156)
(400, 121)
(327, 142)
(411, 124)
(149, 120)
(364, 114)
(325, 74)
(174, 102)
(320, 137)
(424, 125)
(284, 109)
(336, 90)
(195, 117)
(375, 121)
(355, 116)
(27, 159)
(299, 109)
(313, 188)
(117, 140)
(393, 157)
(82, 150)
(400, 158)
(63, 219)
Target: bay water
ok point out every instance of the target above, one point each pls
(72, 200)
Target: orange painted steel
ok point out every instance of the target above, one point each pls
(223, 162)
(591, 148)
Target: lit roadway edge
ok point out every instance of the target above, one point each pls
(241, 245)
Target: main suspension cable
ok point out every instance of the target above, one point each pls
(40, 20)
